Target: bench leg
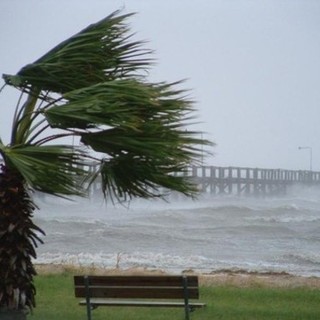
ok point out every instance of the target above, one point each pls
(89, 311)
(86, 280)
(186, 298)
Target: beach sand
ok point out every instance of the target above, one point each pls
(217, 278)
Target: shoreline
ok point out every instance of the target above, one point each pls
(240, 278)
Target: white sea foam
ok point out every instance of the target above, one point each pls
(276, 235)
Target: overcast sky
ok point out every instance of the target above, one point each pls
(252, 66)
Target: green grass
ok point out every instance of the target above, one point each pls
(56, 301)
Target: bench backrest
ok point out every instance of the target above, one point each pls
(155, 287)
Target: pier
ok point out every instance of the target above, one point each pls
(238, 180)
(242, 181)
(249, 181)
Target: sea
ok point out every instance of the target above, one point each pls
(210, 234)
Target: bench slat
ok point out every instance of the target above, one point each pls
(137, 280)
(139, 303)
(136, 292)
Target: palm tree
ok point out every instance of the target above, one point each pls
(91, 87)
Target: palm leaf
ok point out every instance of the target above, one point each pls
(125, 103)
(127, 176)
(113, 103)
(139, 164)
(52, 169)
(101, 52)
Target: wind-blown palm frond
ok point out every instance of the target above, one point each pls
(101, 52)
(128, 176)
(113, 103)
(125, 103)
(50, 169)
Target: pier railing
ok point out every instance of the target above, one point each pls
(228, 180)
(242, 181)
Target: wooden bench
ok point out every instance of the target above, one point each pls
(138, 291)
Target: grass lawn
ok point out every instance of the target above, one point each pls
(56, 301)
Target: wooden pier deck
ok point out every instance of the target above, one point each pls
(256, 181)
(243, 181)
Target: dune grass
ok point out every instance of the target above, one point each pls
(56, 301)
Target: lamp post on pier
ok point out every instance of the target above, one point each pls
(310, 153)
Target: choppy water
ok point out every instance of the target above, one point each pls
(274, 235)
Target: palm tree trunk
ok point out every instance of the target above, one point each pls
(18, 239)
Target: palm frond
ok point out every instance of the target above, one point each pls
(101, 52)
(145, 164)
(125, 103)
(23, 119)
(52, 169)
(127, 176)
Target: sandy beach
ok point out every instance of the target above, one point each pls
(221, 277)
